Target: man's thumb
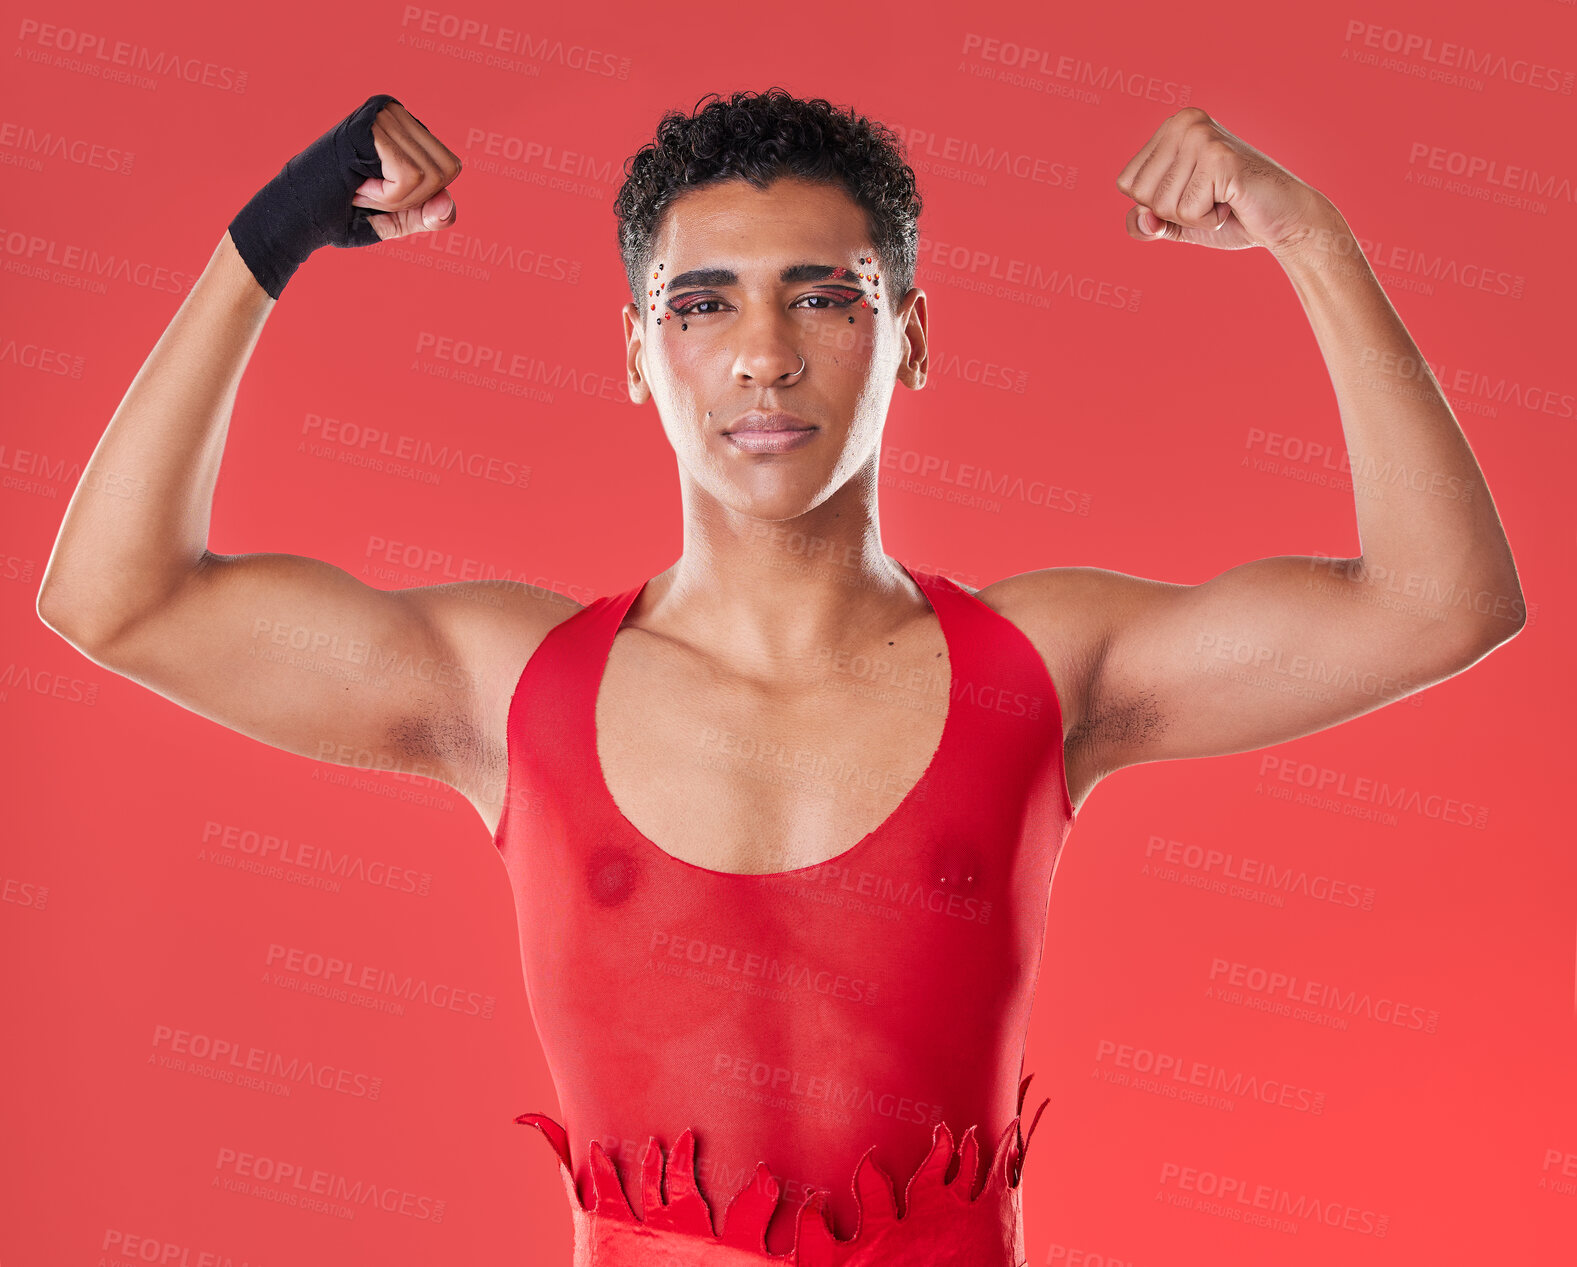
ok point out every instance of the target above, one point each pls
(1151, 226)
(438, 211)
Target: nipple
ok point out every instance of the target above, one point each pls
(957, 866)
(612, 875)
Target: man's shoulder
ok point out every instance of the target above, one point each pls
(492, 622)
(1068, 597)
(1060, 611)
(1075, 615)
(491, 628)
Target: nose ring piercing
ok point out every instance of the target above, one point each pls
(800, 370)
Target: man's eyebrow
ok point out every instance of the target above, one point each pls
(789, 276)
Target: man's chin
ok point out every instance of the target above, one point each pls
(771, 505)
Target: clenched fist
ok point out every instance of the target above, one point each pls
(416, 170)
(1193, 181)
(377, 174)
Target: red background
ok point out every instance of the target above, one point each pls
(118, 919)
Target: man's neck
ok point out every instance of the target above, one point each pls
(768, 591)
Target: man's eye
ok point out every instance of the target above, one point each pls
(830, 301)
(698, 307)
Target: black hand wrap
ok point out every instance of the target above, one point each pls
(308, 204)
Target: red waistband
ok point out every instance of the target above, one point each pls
(956, 1211)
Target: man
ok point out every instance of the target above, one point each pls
(770, 990)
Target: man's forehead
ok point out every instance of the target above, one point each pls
(760, 229)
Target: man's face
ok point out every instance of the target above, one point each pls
(717, 347)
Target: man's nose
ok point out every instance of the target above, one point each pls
(772, 375)
(767, 356)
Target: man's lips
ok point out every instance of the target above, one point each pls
(777, 420)
(771, 432)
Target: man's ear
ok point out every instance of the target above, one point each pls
(916, 361)
(634, 343)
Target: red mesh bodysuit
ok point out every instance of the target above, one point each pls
(817, 1066)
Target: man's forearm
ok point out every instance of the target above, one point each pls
(138, 521)
(1424, 512)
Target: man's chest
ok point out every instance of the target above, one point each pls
(761, 774)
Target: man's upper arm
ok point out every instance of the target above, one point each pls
(1261, 654)
(303, 656)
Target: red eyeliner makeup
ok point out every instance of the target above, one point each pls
(654, 293)
(841, 272)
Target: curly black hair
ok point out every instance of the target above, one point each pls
(759, 137)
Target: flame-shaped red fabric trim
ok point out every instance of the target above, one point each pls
(955, 1211)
